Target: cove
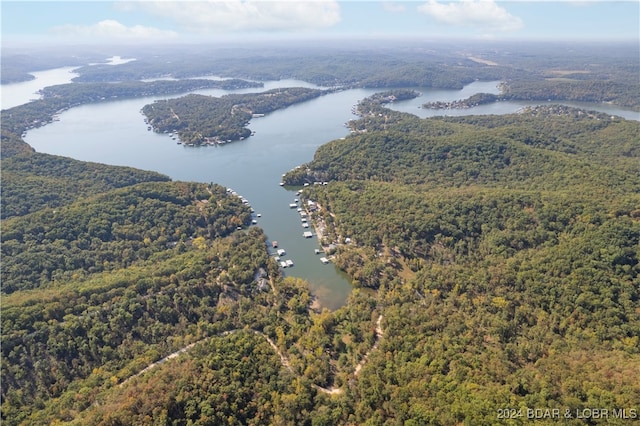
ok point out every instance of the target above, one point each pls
(15, 94)
(115, 133)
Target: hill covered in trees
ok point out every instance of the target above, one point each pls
(114, 280)
(504, 250)
(202, 120)
(496, 261)
(586, 72)
(102, 287)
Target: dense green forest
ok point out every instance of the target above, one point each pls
(495, 260)
(504, 250)
(56, 99)
(511, 286)
(201, 120)
(119, 268)
(97, 289)
(33, 182)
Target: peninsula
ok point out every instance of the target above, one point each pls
(207, 120)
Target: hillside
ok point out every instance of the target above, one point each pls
(504, 250)
(110, 272)
(207, 120)
(495, 259)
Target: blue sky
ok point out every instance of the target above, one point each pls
(188, 20)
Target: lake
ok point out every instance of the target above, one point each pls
(20, 93)
(115, 133)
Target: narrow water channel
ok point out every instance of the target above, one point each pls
(115, 133)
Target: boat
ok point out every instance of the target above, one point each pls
(293, 205)
(281, 252)
(289, 263)
(274, 244)
(305, 225)
(307, 234)
(283, 264)
(316, 251)
(324, 260)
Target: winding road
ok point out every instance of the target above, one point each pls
(283, 359)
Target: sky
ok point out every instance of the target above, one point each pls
(142, 21)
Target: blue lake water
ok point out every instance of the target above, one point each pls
(115, 133)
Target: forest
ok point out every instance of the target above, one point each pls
(558, 71)
(202, 120)
(117, 270)
(512, 285)
(495, 264)
(56, 99)
(529, 71)
(505, 252)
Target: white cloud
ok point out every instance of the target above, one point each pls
(216, 16)
(484, 14)
(111, 29)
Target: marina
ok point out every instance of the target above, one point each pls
(115, 133)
